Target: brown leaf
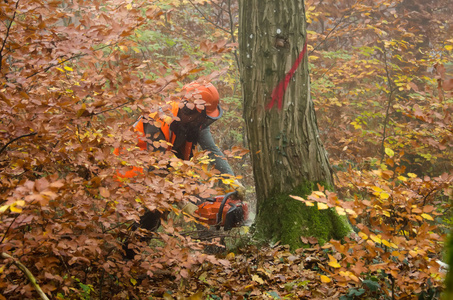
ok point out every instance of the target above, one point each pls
(41, 184)
(104, 192)
(448, 84)
(184, 273)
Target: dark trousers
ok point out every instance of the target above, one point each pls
(149, 221)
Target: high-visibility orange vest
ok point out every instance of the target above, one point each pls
(142, 144)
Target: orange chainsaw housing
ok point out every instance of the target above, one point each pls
(209, 210)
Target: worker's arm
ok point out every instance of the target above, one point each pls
(206, 141)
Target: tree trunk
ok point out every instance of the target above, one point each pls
(287, 155)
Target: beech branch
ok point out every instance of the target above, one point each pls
(27, 273)
(206, 18)
(15, 139)
(8, 28)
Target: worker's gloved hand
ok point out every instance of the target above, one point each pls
(240, 188)
(189, 208)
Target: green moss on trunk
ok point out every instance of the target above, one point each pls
(281, 218)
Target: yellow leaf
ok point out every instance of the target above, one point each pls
(3, 208)
(389, 152)
(386, 213)
(402, 178)
(384, 196)
(68, 68)
(20, 202)
(322, 206)
(227, 181)
(340, 211)
(325, 279)
(61, 70)
(353, 277)
(309, 203)
(351, 212)
(15, 209)
(333, 262)
(363, 235)
(386, 243)
(319, 194)
(258, 279)
(411, 175)
(377, 189)
(129, 6)
(133, 281)
(449, 47)
(427, 217)
(375, 238)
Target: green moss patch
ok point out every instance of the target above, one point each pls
(281, 218)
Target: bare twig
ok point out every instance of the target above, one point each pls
(390, 100)
(58, 64)
(233, 37)
(333, 29)
(206, 18)
(109, 109)
(9, 227)
(27, 273)
(8, 28)
(15, 139)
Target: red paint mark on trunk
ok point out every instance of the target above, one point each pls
(280, 89)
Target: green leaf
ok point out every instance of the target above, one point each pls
(389, 152)
(372, 285)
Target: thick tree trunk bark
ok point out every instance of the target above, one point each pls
(287, 154)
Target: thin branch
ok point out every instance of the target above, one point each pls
(113, 108)
(232, 36)
(333, 29)
(9, 227)
(27, 273)
(54, 65)
(7, 34)
(206, 18)
(15, 139)
(390, 100)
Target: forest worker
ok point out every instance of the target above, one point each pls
(184, 134)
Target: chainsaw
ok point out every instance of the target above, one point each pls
(223, 210)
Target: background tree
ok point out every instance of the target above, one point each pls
(287, 154)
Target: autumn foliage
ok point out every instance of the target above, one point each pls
(75, 77)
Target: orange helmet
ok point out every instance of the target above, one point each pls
(209, 94)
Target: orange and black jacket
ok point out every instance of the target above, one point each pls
(182, 142)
